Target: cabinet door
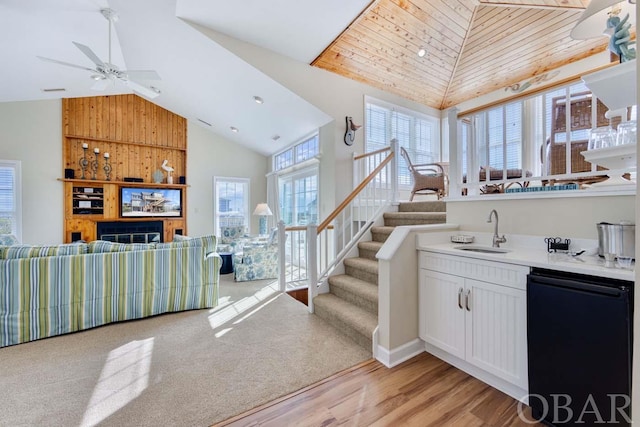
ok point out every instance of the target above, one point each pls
(441, 312)
(496, 327)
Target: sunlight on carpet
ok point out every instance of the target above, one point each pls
(124, 377)
(229, 310)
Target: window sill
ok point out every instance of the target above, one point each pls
(590, 192)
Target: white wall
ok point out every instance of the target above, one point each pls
(210, 155)
(32, 133)
(335, 95)
(557, 217)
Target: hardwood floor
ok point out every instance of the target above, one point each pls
(423, 391)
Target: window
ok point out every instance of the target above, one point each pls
(541, 137)
(10, 198)
(231, 202)
(297, 153)
(299, 197)
(501, 144)
(416, 132)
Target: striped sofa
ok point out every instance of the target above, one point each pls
(52, 290)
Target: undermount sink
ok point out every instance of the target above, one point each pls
(483, 249)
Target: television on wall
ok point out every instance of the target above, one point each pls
(154, 202)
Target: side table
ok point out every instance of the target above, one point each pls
(227, 262)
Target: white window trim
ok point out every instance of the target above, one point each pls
(292, 147)
(246, 181)
(308, 168)
(437, 133)
(17, 167)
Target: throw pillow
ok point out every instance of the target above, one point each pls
(29, 251)
(8, 240)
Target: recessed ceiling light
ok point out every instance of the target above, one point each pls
(155, 89)
(275, 137)
(234, 129)
(422, 52)
(258, 100)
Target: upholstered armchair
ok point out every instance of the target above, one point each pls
(232, 239)
(257, 261)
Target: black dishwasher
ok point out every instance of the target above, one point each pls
(579, 336)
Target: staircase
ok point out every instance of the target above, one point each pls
(352, 302)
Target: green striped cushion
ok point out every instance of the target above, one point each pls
(208, 242)
(102, 246)
(28, 251)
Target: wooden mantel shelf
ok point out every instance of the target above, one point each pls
(117, 141)
(123, 183)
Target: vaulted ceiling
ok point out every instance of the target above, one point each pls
(472, 47)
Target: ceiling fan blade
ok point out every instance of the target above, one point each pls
(143, 90)
(142, 74)
(92, 56)
(55, 61)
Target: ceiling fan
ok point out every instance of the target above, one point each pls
(106, 72)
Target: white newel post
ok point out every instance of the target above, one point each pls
(282, 242)
(312, 264)
(394, 172)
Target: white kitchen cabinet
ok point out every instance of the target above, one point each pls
(481, 322)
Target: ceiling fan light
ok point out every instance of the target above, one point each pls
(97, 77)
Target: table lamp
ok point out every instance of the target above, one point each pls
(263, 211)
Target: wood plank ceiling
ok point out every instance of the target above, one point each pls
(473, 47)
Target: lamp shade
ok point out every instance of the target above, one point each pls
(593, 20)
(262, 209)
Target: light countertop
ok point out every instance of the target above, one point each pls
(528, 251)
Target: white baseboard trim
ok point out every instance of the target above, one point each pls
(399, 354)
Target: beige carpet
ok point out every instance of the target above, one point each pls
(184, 369)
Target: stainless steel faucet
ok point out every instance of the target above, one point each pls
(496, 238)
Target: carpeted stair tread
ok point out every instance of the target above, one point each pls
(368, 265)
(429, 206)
(381, 233)
(414, 218)
(369, 249)
(353, 321)
(362, 268)
(358, 292)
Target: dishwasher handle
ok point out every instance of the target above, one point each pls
(578, 285)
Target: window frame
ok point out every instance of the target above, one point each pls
(247, 215)
(293, 151)
(16, 213)
(391, 131)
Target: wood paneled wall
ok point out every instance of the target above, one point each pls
(136, 133)
(139, 136)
